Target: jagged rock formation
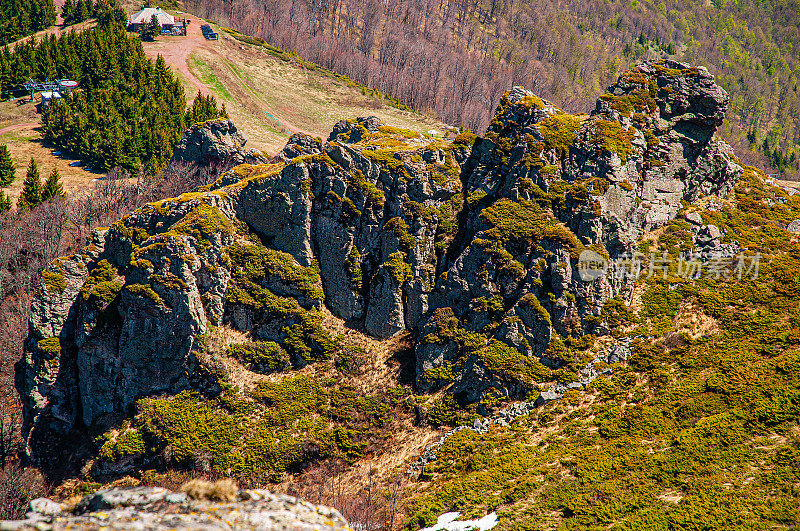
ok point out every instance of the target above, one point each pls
(542, 187)
(214, 143)
(155, 508)
(472, 244)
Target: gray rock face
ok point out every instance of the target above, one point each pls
(624, 171)
(352, 226)
(159, 509)
(215, 142)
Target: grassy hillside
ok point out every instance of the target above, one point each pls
(270, 94)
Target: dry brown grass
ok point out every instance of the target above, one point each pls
(20, 131)
(692, 321)
(253, 83)
(224, 490)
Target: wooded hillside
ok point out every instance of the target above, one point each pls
(456, 57)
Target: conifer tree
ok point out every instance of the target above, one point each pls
(52, 187)
(81, 12)
(7, 171)
(5, 202)
(67, 11)
(31, 188)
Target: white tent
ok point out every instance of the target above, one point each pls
(143, 17)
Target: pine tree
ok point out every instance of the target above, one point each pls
(7, 171)
(5, 202)
(31, 188)
(52, 187)
(67, 11)
(81, 12)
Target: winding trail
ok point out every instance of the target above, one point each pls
(177, 52)
(12, 128)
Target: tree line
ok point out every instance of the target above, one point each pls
(20, 18)
(454, 58)
(129, 111)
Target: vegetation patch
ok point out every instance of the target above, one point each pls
(559, 132)
(612, 137)
(261, 356)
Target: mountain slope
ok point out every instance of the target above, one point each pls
(259, 328)
(457, 58)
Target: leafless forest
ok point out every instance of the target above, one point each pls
(454, 58)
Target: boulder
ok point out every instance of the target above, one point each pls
(215, 143)
(158, 509)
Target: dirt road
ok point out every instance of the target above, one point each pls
(12, 128)
(176, 52)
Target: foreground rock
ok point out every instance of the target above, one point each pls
(154, 508)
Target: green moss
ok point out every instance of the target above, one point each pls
(398, 268)
(465, 139)
(531, 301)
(548, 171)
(55, 282)
(639, 101)
(446, 411)
(107, 291)
(476, 197)
(100, 284)
(261, 356)
(203, 222)
(187, 427)
(386, 157)
(353, 264)
(255, 264)
(559, 132)
(525, 222)
(509, 364)
(532, 101)
(126, 444)
(50, 346)
(612, 137)
(307, 339)
(144, 290)
(136, 235)
(399, 228)
(407, 133)
(168, 280)
(448, 328)
(371, 192)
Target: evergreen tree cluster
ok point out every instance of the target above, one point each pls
(34, 192)
(128, 111)
(204, 108)
(75, 12)
(19, 18)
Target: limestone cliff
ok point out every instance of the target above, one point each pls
(471, 244)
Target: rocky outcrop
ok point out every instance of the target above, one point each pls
(156, 508)
(543, 187)
(215, 143)
(474, 245)
(356, 226)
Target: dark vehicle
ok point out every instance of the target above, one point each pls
(209, 33)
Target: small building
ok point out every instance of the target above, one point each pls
(49, 97)
(142, 18)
